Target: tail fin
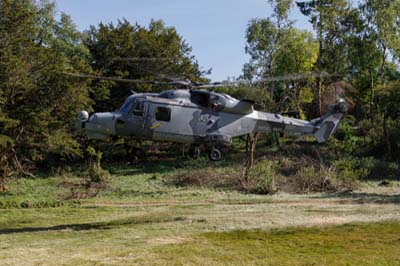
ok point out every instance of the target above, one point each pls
(329, 123)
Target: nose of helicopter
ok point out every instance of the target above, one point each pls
(98, 125)
(104, 122)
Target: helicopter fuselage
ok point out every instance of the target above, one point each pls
(197, 117)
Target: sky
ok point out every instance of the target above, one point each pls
(215, 29)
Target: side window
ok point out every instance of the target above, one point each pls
(163, 114)
(138, 108)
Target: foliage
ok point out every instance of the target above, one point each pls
(311, 179)
(38, 103)
(137, 52)
(260, 179)
(357, 43)
(95, 173)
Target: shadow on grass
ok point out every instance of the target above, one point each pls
(166, 165)
(97, 225)
(366, 198)
(142, 168)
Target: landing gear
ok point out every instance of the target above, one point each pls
(194, 151)
(215, 154)
(135, 154)
(139, 153)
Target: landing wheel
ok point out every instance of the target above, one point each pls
(194, 151)
(135, 154)
(215, 155)
(139, 153)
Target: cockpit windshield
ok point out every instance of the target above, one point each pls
(126, 106)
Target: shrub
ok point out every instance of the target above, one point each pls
(260, 179)
(312, 179)
(208, 177)
(353, 169)
(95, 173)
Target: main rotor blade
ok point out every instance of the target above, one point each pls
(143, 59)
(188, 84)
(216, 85)
(293, 77)
(264, 80)
(135, 81)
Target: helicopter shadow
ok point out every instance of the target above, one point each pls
(71, 227)
(364, 198)
(131, 221)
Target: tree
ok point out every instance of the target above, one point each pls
(381, 24)
(279, 51)
(298, 54)
(136, 52)
(264, 37)
(327, 18)
(38, 105)
(389, 101)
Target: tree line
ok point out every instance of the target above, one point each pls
(356, 44)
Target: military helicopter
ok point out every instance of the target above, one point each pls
(196, 116)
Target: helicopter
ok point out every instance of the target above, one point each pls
(193, 115)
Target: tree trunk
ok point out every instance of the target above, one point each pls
(371, 97)
(252, 140)
(386, 135)
(247, 144)
(318, 98)
(318, 65)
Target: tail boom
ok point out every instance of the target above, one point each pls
(321, 128)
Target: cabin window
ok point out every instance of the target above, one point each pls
(138, 109)
(163, 114)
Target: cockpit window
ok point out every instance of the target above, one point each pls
(138, 107)
(126, 106)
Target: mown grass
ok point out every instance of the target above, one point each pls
(355, 244)
(141, 218)
(197, 234)
(34, 193)
(295, 168)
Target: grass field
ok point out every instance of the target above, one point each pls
(140, 219)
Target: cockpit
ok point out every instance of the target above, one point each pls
(134, 105)
(127, 106)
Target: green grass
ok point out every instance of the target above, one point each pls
(357, 244)
(142, 219)
(177, 236)
(34, 193)
(214, 234)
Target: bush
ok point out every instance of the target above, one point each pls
(311, 179)
(208, 177)
(260, 179)
(95, 173)
(353, 169)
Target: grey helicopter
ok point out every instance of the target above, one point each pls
(193, 115)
